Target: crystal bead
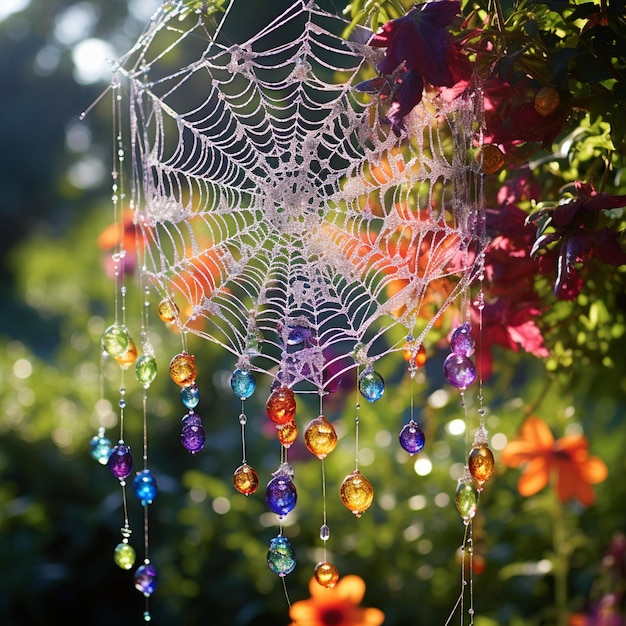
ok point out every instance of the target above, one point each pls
(466, 498)
(299, 334)
(280, 493)
(168, 311)
(254, 339)
(412, 438)
(356, 493)
(287, 433)
(190, 396)
(481, 463)
(115, 340)
(281, 557)
(183, 369)
(146, 579)
(193, 435)
(245, 479)
(324, 532)
(320, 437)
(129, 357)
(242, 383)
(121, 461)
(461, 340)
(124, 556)
(371, 385)
(100, 449)
(146, 369)
(281, 405)
(416, 358)
(145, 487)
(326, 574)
(459, 371)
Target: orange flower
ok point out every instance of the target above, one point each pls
(566, 460)
(336, 606)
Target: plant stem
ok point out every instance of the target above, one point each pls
(561, 562)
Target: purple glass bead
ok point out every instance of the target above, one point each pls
(145, 579)
(461, 341)
(459, 370)
(121, 461)
(412, 438)
(193, 435)
(281, 495)
(299, 334)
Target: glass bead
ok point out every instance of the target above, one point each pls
(320, 437)
(254, 339)
(287, 433)
(281, 557)
(145, 487)
(412, 438)
(326, 574)
(129, 357)
(100, 449)
(193, 435)
(371, 385)
(146, 369)
(417, 358)
(168, 311)
(183, 369)
(281, 405)
(121, 461)
(466, 498)
(242, 383)
(146, 579)
(357, 493)
(115, 340)
(245, 479)
(124, 556)
(461, 340)
(492, 158)
(190, 396)
(299, 334)
(547, 101)
(324, 532)
(281, 494)
(481, 463)
(459, 371)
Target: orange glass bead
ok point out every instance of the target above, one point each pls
(245, 479)
(281, 405)
(287, 433)
(183, 369)
(418, 358)
(168, 311)
(493, 159)
(326, 574)
(547, 101)
(481, 463)
(357, 493)
(129, 357)
(320, 437)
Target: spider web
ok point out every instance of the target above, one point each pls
(278, 209)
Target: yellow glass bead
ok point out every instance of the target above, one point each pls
(281, 405)
(129, 357)
(547, 101)
(357, 493)
(481, 463)
(245, 479)
(183, 369)
(493, 159)
(326, 574)
(168, 311)
(287, 433)
(320, 437)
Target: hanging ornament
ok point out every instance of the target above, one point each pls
(129, 357)
(121, 461)
(146, 370)
(145, 487)
(100, 447)
(242, 383)
(146, 579)
(412, 438)
(281, 405)
(547, 101)
(281, 557)
(357, 493)
(168, 311)
(492, 158)
(287, 433)
(371, 385)
(183, 369)
(466, 497)
(193, 435)
(481, 463)
(459, 371)
(415, 358)
(124, 556)
(280, 494)
(190, 396)
(245, 479)
(326, 574)
(116, 341)
(254, 339)
(461, 340)
(320, 437)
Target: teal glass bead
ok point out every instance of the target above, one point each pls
(242, 383)
(145, 487)
(116, 341)
(146, 369)
(100, 448)
(371, 385)
(190, 396)
(281, 557)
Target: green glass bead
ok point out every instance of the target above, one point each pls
(466, 498)
(146, 369)
(116, 341)
(124, 556)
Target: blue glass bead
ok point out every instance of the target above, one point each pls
(100, 449)
(280, 494)
(242, 383)
(146, 579)
(461, 341)
(371, 385)
(299, 334)
(190, 396)
(459, 370)
(193, 435)
(281, 557)
(145, 487)
(412, 438)
(121, 461)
